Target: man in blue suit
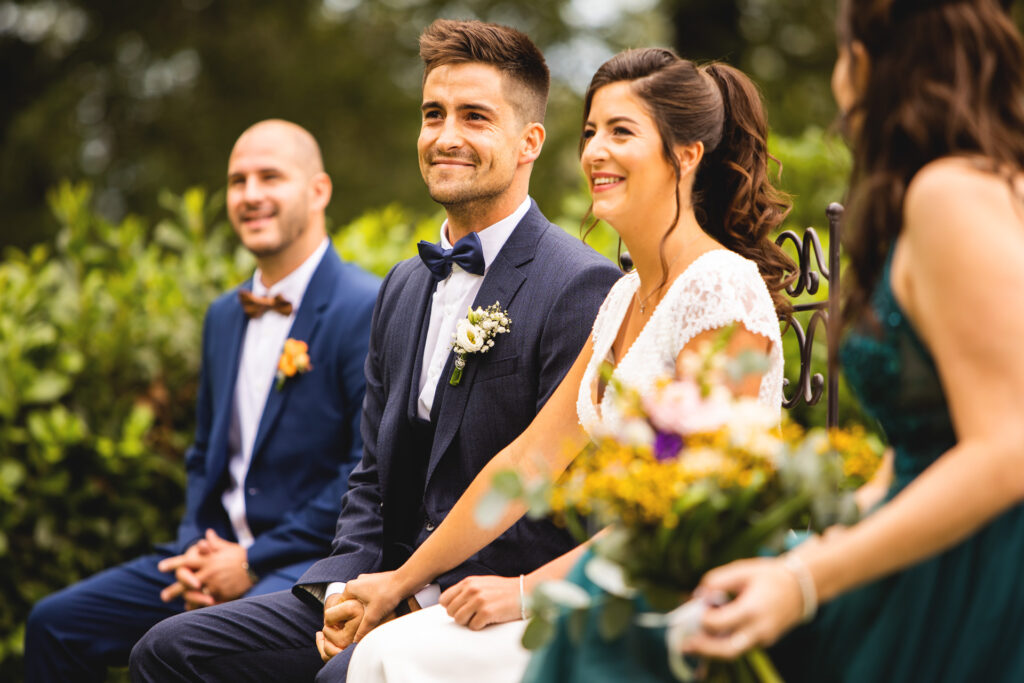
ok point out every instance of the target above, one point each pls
(426, 433)
(277, 430)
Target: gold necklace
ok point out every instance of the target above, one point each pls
(643, 302)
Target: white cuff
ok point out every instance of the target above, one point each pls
(334, 588)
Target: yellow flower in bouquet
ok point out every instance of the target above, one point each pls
(689, 478)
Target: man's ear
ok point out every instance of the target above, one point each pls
(320, 189)
(531, 143)
(689, 157)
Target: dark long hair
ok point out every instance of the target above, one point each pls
(733, 198)
(946, 78)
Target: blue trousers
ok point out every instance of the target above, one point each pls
(267, 638)
(80, 631)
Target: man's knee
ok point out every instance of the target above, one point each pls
(44, 616)
(157, 649)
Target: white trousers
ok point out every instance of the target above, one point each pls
(427, 646)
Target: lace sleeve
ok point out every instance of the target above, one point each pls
(723, 289)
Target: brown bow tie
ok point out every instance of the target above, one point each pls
(255, 306)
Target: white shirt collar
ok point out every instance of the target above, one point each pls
(293, 285)
(493, 237)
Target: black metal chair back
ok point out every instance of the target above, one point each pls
(811, 385)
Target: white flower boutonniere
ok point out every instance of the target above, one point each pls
(475, 334)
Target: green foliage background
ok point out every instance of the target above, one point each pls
(99, 340)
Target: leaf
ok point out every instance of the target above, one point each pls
(508, 483)
(576, 625)
(490, 509)
(538, 633)
(615, 617)
(47, 387)
(563, 594)
(608, 576)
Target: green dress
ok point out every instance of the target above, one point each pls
(958, 616)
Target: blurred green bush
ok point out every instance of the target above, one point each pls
(99, 353)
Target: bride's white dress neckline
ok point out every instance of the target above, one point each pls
(719, 288)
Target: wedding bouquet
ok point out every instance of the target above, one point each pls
(690, 478)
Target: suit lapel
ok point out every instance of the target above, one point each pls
(307, 321)
(421, 282)
(503, 280)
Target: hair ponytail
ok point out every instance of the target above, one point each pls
(734, 199)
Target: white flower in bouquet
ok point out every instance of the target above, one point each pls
(680, 408)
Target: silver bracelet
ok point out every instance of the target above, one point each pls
(808, 593)
(522, 598)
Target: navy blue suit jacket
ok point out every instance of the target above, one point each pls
(552, 286)
(308, 438)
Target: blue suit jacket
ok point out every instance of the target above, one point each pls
(552, 286)
(308, 440)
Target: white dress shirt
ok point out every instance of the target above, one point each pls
(452, 297)
(257, 367)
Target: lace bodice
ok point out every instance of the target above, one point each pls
(719, 288)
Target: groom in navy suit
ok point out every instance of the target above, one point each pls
(426, 434)
(274, 444)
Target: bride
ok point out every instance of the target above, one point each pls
(676, 160)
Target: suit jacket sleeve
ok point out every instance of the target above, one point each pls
(360, 526)
(305, 531)
(569, 323)
(195, 457)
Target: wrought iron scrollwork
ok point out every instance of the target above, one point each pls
(811, 270)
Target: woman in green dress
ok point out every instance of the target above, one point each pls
(930, 587)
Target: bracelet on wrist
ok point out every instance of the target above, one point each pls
(808, 592)
(522, 597)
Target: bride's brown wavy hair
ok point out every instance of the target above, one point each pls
(733, 199)
(945, 78)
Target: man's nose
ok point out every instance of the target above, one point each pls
(450, 136)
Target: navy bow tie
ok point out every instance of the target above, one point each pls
(467, 252)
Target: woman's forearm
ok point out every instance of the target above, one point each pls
(963, 490)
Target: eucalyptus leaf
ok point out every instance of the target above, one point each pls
(563, 594)
(490, 509)
(616, 615)
(538, 633)
(608, 576)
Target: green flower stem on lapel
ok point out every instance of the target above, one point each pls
(475, 334)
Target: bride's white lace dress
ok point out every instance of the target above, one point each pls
(718, 289)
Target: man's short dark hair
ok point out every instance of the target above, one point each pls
(510, 51)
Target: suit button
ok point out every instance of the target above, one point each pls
(253, 491)
(430, 526)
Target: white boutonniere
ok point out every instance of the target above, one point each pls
(475, 334)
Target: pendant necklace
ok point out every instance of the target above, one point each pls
(643, 302)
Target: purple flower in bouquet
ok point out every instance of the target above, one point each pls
(667, 445)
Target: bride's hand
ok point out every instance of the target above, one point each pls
(767, 603)
(379, 593)
(478, 601)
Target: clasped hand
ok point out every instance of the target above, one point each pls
(210, 572)
(367, 602)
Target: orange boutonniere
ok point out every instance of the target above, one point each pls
(294, 361)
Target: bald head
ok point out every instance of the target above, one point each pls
(276, 196)
(287, 139)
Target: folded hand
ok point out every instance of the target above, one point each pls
(478, 601)
(379, 595)
(342, 616)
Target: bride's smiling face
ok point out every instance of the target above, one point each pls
(623, 158)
